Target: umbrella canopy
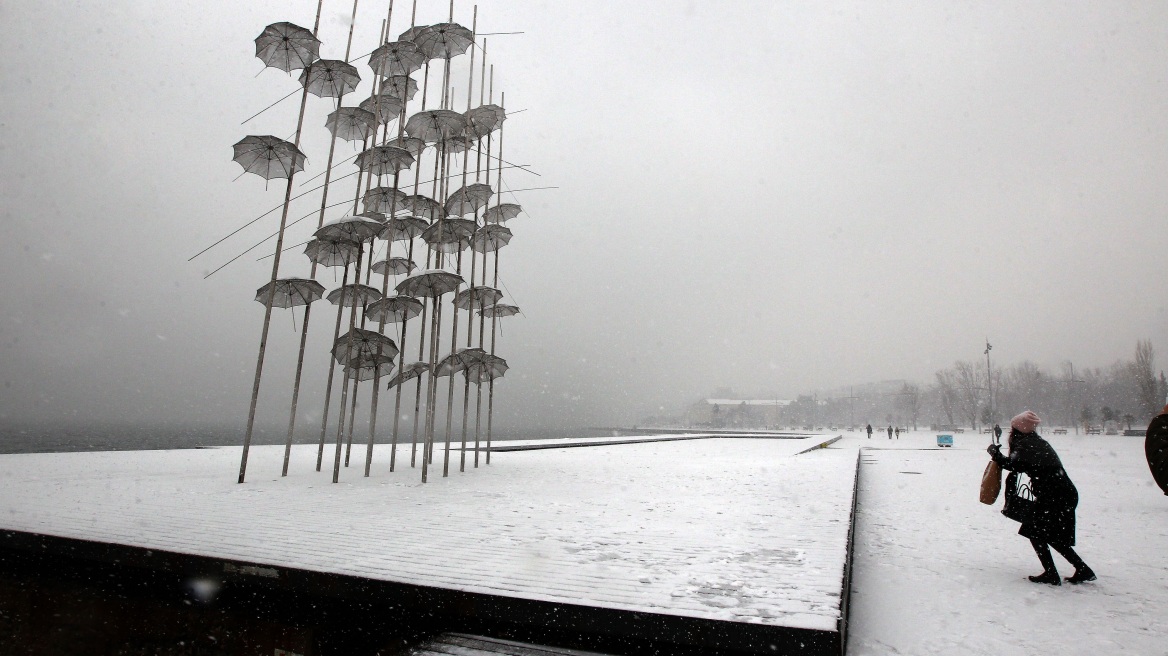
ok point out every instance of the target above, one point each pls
(468, 199)
(483, 120)
(501, 212)
(351, 228)
(396, 58)
(385, 107)
(434, 125)
(403, 228)
(286, 46)
(449, 235)
(351, 123)
(415, 146)
(488, 369)
(409, 372)
(353, 294)
(368, 368)
(430, 283)
(384, 160)
(499, 310)
(365, 345)
(490, 238)
(291, 292)
(459, 360)
(383, 199)
(425, 207)
(402, 87)
(330, 78)
(477, 297)
(394, 309)
(268, 157)
(331, 252)
(412, 33)
(456, 144)
(394, 266)
(443, 41)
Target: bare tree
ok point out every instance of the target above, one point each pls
(1143, 371)
(947, 394)
(970, 385)
(908, 401)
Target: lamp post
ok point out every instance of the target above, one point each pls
(989, 378)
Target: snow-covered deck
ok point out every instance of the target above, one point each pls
(724, 529)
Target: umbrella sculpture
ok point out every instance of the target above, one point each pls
(491, 238)
(501, 213)
(384, 199)
(401, 87)
(450, 235)
(443, 41)
(382, 160)
(331, 252)
(403, 228)
(408, 372)
(394, 309)
(385, 107)
(396, 58)
(468, 199)
(269, 157)
(351, 123)
(415, 146)
(367, 369)
(290, 292)
(354, 294)
(330, 78)
(484, 119)
(394, 266)
(459, 360)
(360, 344)
(487, 369)
(286, 46)
(356, 229)
(263, 165)
(477, 298)
(434, 125)
(499, 310)
(425, 207)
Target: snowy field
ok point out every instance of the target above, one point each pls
(729, 529)
(733, 529)
(937, 572)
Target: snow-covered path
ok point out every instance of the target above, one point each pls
(937, 572)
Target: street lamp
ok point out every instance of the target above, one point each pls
(989, 378)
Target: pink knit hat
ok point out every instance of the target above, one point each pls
(1025, 422)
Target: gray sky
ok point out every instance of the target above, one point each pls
(765, 196)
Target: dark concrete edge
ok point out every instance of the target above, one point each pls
(555, 623)
(846, 591)
(645, 440)
(821, 445)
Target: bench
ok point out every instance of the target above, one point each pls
(1060, 431)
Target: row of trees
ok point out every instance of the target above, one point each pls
(966, 394)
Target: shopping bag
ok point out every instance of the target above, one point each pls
(991, 483)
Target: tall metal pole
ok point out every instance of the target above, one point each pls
(255, 388)
(989, 379)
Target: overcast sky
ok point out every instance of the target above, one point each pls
(766, 196)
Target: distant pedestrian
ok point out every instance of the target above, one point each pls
(898, 432)
(1052, 522)
(997, 433)
(890, 432)
(1156, 449)
(869, 431)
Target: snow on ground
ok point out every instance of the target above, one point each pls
(730, 529)
(937, 572)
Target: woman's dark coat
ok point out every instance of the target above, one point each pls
(1054, 494)
(1156, 449)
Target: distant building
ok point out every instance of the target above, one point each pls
(737, 413)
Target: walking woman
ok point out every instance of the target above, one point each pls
(1053, 521)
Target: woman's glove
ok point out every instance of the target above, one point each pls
(994, 450)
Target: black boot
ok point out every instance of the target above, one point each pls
(1049, 574)
(1081, 575)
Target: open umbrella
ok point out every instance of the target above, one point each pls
(394, 309)
(434, 125)
(394, 266)
(383, 199)
(384, 160)
(501, 213)
(331, 252)
(450, 235)
(365, 345)
(368, 368)
(286, 46)
(385, 107)
(415, 146)
(396, 58)
(352, 294)
(330, 78)
(491, 238)
(443, 41)
(430, 283)
(484, 119)
(403, 228)
(268, 157)
(487, 369)
(459, 360)
(477, 297)
(468, 199)
(499, 310)
(425, 207)
(456, 144)
(352, 228)
(351, 123)
(402, 87)
(408, 372)
(290, 292)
